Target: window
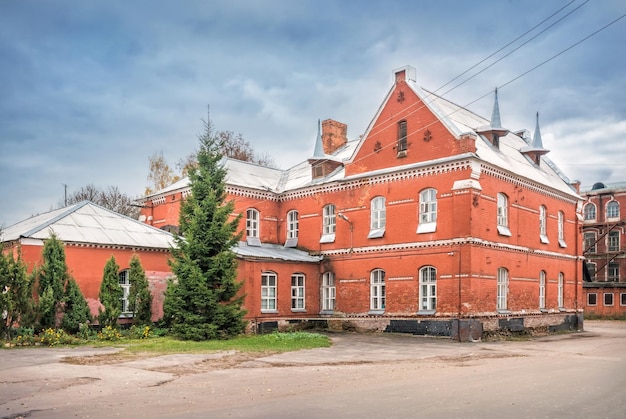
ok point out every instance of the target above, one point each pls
(377, 290)
(297, 292)
(591, 268)
(503, 215)
(328, 291)
(427, 211)
(543, 215)
(329, 221)
(562, 229)
(252, 227)
(542, 290)
(402, 141)
(622, 299)
(612, 241)
(560, 290)
(608, 299)
(590, 211)
(378, 215)
(124, 281)
(592, 299)
(292, 229)
(590, 242)
(428, 288)
(612, 209)
(268, 292)
(613, 272)
(503, 289)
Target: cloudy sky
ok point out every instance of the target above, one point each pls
(90, 89)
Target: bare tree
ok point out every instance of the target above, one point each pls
(109, 197)
(160, 174)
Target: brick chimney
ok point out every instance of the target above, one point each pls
(334, 135)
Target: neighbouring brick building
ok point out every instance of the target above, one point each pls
(435, 221)
(604, 238)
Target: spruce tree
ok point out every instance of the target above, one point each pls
(139, 297)
(76, 308)
(110, 295)
(52, 277)
(202, 302)
(16, 294)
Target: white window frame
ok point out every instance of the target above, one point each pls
(592, 272)
(612, 241)
(503, 214)
(378, 217)
(591, 237)
(561, 228)
(502, 289)
(560, 288)
(298, 300)
(328, 292)
(589, 211)
(269, 281)
(428, 289)
(543, 224)
(403, 141)
(377, 291)
(253, 227)
(612, 272)
(604, 299)
(427, 217)
(612, 210)
(622, 299)
(595, 295)
(542, 290)
(329, 223)
(123, 278)
(293, 225)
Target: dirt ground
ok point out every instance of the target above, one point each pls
(581, 375)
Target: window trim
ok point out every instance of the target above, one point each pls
(595, 272)
(604, 299)
(329, 223)
(595, 295)
(502, 212)
(612, 272)
(609, 206)
(561, 229)
(253, 227)
(543, 224)
(502, 291)
(589, 211)
(560, 294)
(592, 236)
(613, 241)
(427, 211)
(377, 291)
(402, 144)
(269, 292)
(427, 290)
(378, 217)
(329, 293)
(124, 276)
(542, 290)
(293, 226)
(300, 292)
(622, 299)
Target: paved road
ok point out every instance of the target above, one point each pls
(580, 375)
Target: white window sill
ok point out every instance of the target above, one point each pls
(504, 231)
(544, 239)
(253, 241)
(426, 228)
(376, 312)
(426, 312)
(298, 310)
(327, 312)
(376, 234)
(503, 311)
(293, 242)
(269, 311)
(562, 243)
(328, 238)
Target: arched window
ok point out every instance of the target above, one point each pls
(503, 215)
(328, 291)
(428, 288)
(252, 223)
(124, 281)
(292, 229)
(329, 221)
(590, 211)
(378, 217)
(297, 292)
(542, 290)
(377, 290)
(503, 289)
(402, 140)
(562, 229)
(543, 224)
(612, 209)
(268, 292)
(427, 211)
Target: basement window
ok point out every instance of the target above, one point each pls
(608, 299)
(592, 299)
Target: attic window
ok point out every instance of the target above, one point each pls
(402, 141)
(496, 140)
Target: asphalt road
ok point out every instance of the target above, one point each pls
(581, 375)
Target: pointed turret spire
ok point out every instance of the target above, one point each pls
(318, 152)
(495, 114)
(537, 143)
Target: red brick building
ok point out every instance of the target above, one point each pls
(435, 221)
(91, 235)
(604, 238)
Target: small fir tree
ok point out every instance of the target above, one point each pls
(202, 302)
(52, 277)
(139, 297)
(76, 308)
(16, 294)
(110, 295)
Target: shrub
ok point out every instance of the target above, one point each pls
(109, 333)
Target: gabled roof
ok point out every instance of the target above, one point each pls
(89, 223)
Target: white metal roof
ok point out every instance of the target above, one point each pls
(275, 252)
(89, 223)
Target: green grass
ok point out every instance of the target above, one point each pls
(274, 342)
